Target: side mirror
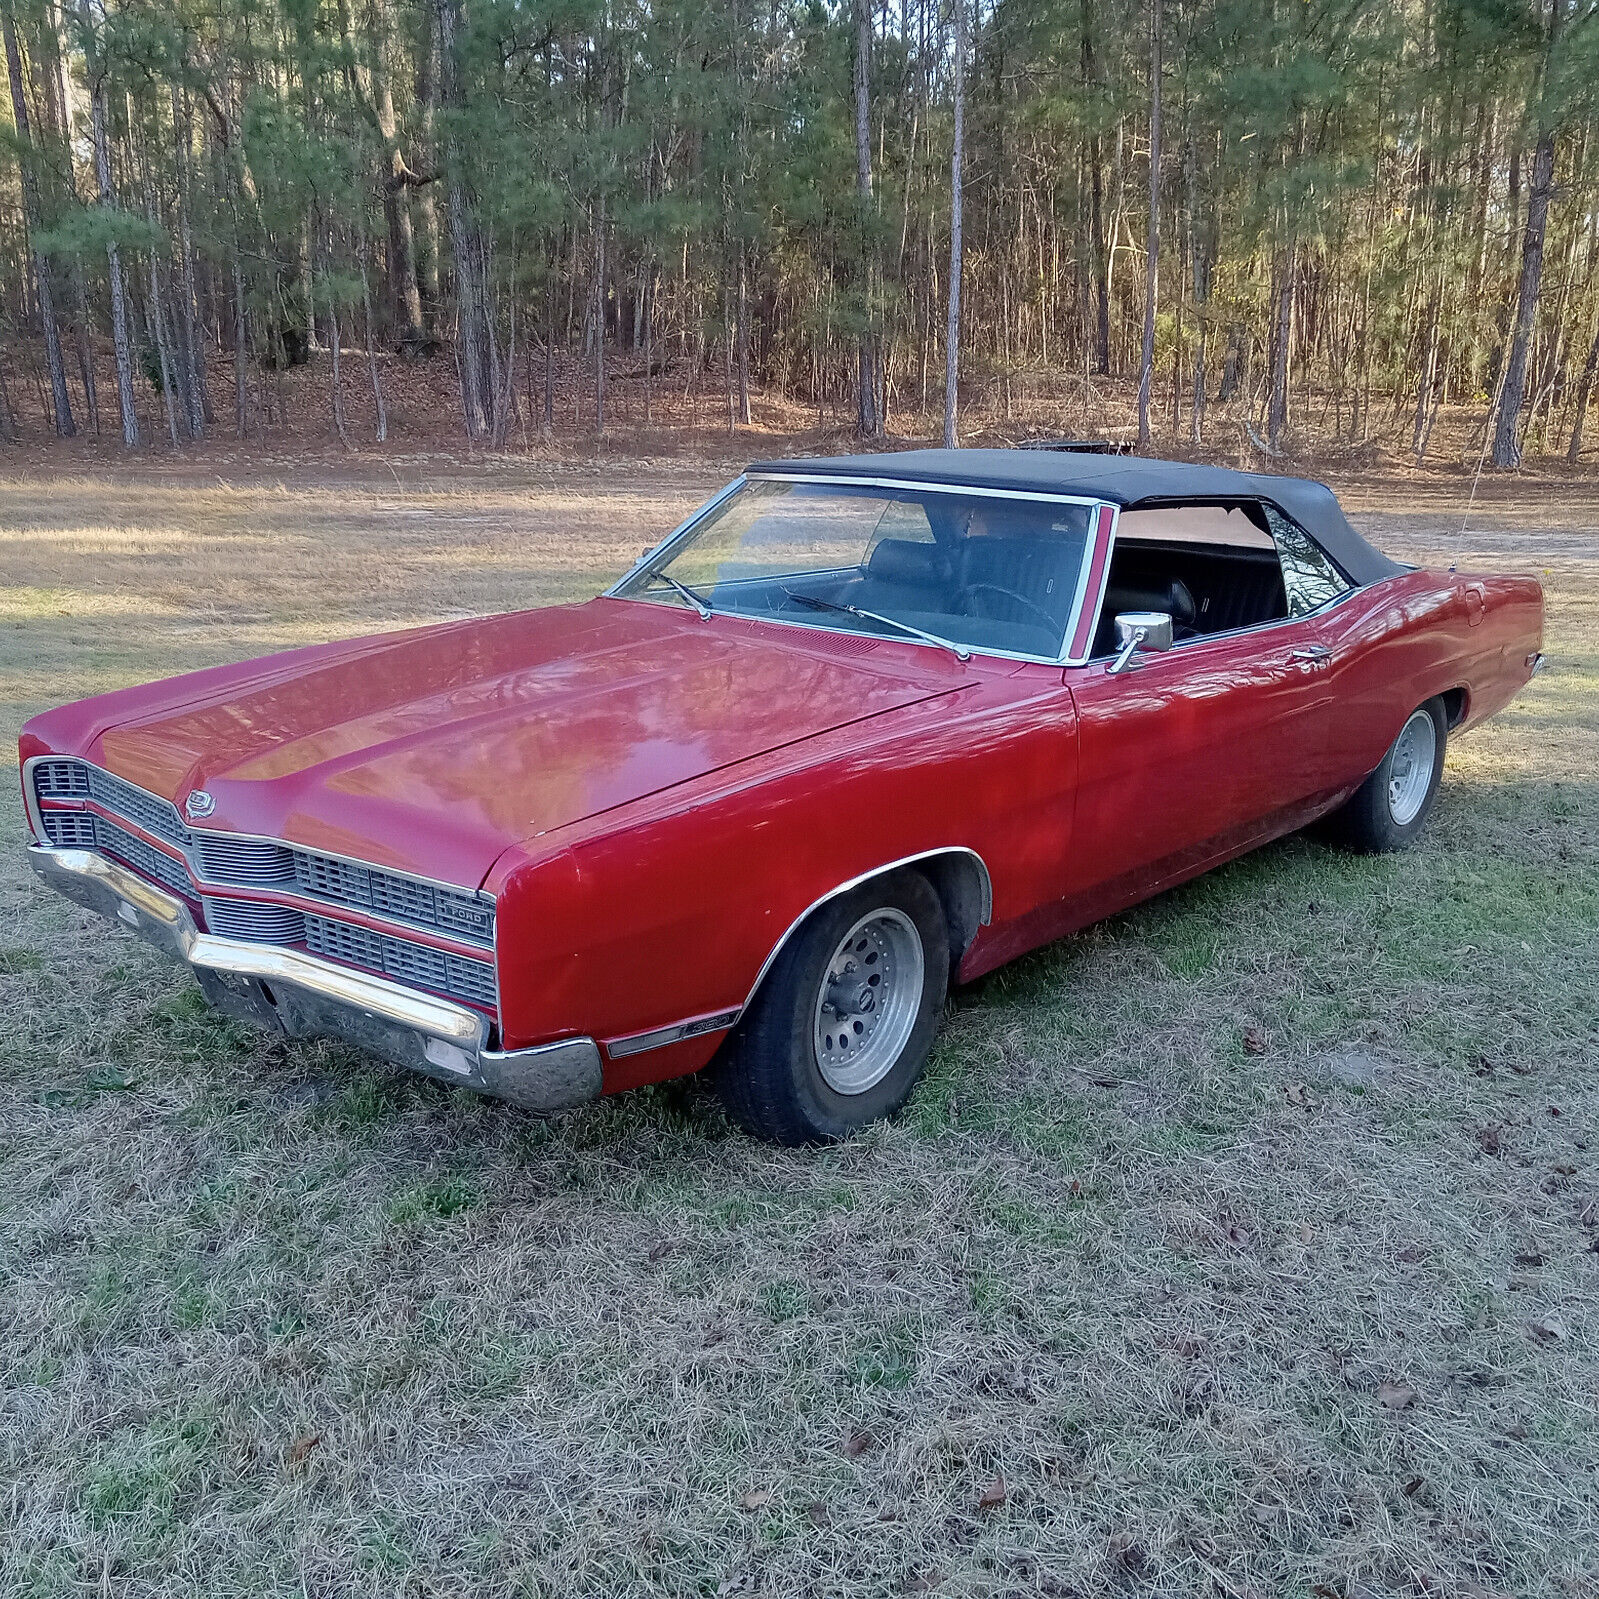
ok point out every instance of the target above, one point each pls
(1140, 630)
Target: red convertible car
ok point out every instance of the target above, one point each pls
(860, 727)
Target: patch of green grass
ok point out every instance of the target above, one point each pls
(438, 1197)
(784, 1299)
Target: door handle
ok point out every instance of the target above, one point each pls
(1311, 654)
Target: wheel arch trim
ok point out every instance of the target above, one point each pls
(958, 852)
(721, 1021)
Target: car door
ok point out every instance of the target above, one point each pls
(1195, 754)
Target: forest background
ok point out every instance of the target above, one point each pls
(1279, 226)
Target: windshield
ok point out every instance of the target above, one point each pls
(979, 571)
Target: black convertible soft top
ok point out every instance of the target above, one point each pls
(1124, 480)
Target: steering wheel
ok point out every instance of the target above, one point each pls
(1020, 599)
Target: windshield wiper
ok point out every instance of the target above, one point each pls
(696, 599)
(818, 604)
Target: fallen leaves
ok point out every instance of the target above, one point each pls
(1488, 1138)
(1396, 1395)
(756, 1498)
(1127, 1552)
(1548, 1329)
(1297, 1094)
(1256, 1040)
(300, 1450)
(994, 1495)
(857, 1444)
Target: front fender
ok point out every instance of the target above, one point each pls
(670, 909)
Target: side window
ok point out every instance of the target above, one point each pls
(1308, 575)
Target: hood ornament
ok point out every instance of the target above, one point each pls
(199, 804)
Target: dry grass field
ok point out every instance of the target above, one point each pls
(1243, 1246)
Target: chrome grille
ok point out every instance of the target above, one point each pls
(69, 829)
(60, 780)
(254, 919)
(253, 862)
(154, 815)
(389, 894)
(398, 958)
(250, 862)
(142, 857)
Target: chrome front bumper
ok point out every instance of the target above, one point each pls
(304, 996)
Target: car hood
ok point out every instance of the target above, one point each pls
(434, 750)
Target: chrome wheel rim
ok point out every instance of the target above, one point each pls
(1410, 771)
(870, 994)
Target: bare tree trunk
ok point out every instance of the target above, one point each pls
(241, 397)
(194, 388)
(599, 317)
(379, 408)
(404, 294)
(8, 417)
(1506, 448)
(427, 257)
(1146, 359)
(1590, 371)
(1100, 288)
(1282, 331)
(107, 195)
(1429, 371)
(868, 414)
(91, 391)
(952, 343)
(1201, 269)
(470, 290)
(174, 382)
(157, 325)
(33, 213)
(743, 340)
(334, 350)
(548, 423)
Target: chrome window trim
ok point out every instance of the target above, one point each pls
(1097, 600)
(1062, 657)
(30, 801)
(683, 528)
(1253, 627)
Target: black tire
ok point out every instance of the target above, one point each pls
(770, 1077)
(1367, 821)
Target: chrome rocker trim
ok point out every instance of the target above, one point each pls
(302, 995)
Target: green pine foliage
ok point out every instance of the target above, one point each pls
(1349, 200)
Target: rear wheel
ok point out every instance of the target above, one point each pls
(844, 1022)
(1392, 805)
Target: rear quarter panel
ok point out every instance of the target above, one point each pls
(1400, 642)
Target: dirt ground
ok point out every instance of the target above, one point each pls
(1242, 1246)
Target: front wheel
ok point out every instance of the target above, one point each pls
(844, 1022)
(1391, 806)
